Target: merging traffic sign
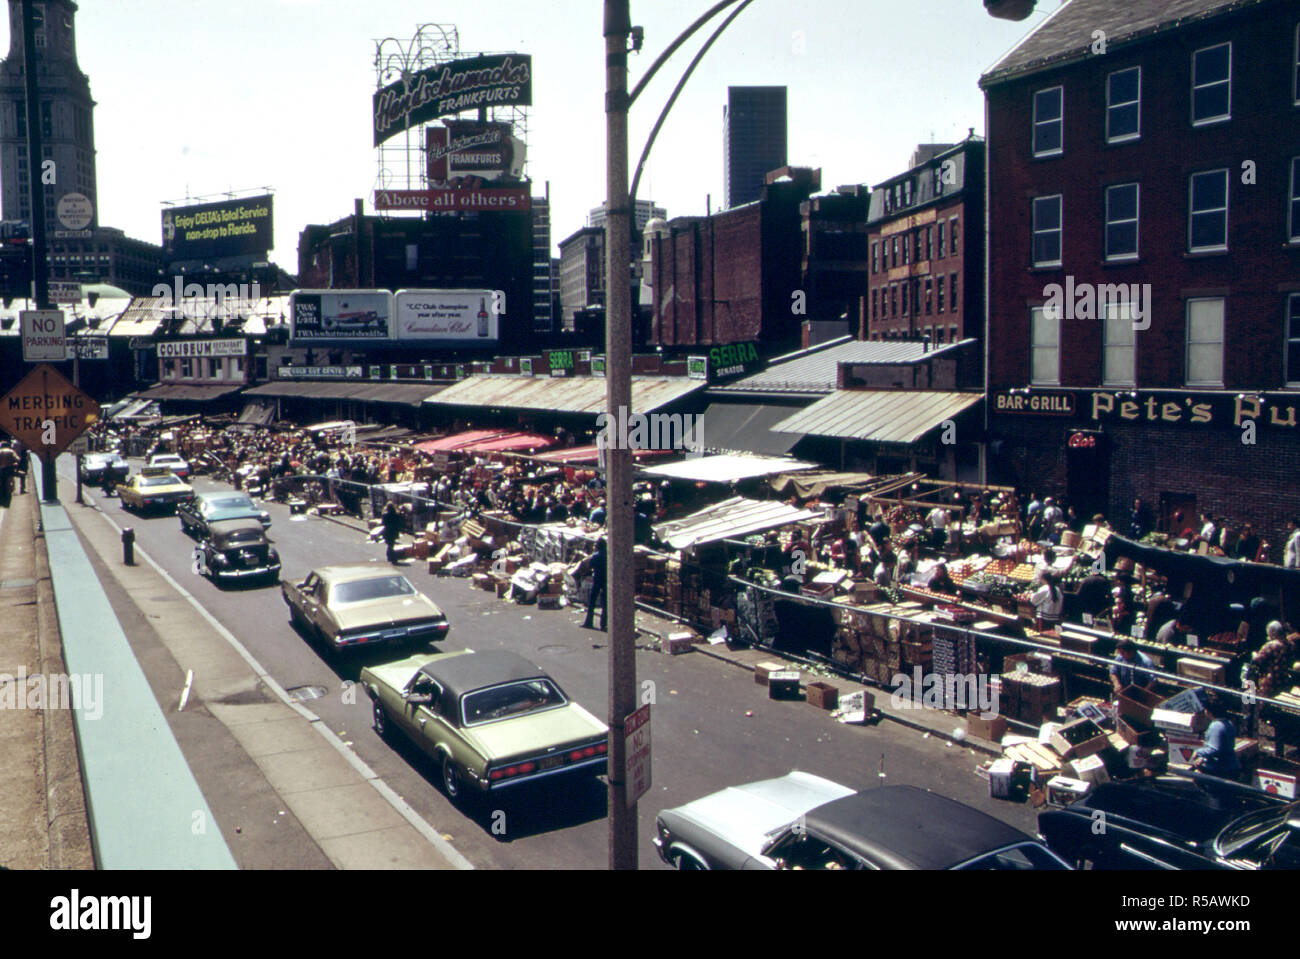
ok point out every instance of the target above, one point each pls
(46, 412)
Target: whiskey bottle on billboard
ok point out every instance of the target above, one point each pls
(482, 317)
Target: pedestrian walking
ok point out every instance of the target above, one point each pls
(599, 582)
(392, 521)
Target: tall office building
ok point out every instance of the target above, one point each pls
(66, 114)
(543, 318)
(753, 140)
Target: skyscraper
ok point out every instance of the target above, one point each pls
(753, 140)
(66, 115)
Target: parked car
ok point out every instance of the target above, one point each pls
(802, 821)
(493, 720)
(95, 467)
(362, 605)
(173, 462)
(237, 550)
(1176, 822)
(207, 508)
(154, 488)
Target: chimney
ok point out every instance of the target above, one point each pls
(806, 333)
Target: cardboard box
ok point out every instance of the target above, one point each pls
(1090, 769)
(1277, 777)
(1062, 790)
(674, 644)
(1137, 703)
(1202, 671)
(1186, 724)
(1078, 739)
(1137, 733)
(783, 684)
(822, 695)
(1008, 778)
(763, 670)
(990, 729)
(1182, 748)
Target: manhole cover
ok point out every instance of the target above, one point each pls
(303, 693)
(554, 649)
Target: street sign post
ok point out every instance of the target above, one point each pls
(46, 413)
(43, 336)
(636, 732)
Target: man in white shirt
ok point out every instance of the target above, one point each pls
(1051, 515)
(1208, 529)
(1291, 556)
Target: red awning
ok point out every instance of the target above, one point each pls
(511, 443)
(589, 454)
(459, 441)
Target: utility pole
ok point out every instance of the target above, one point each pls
(620, 591)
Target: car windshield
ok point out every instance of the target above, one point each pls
(241, 537)
(227, 502)
(1025, 856)
(511, 699)
(381, 587)
(157, 480)
(165, 460)
(1251, 827)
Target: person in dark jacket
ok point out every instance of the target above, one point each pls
(599, 582)
(392, 521)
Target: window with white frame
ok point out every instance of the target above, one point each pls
(1293, 340)
(1048, 121)
(1124, 105)
(1212, 84)
(187, 368)
(1205, 342)
(1047, 231)
(1045, 349)
(1293, 227)
(1119, 342)
(1122, 221)
(1207, 219)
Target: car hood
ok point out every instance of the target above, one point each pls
(381, 612)
(535, 732)
(746, 816)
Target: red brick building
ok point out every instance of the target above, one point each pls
(926, 257)
(1144, 258)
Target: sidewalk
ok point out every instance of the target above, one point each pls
(43, 822)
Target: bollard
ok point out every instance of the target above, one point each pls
(128, 547)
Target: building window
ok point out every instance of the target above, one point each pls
(1205, 342)
(1212, 84)
(952, 232)
(893, 299)
(1048, 110)
(1293, 340)
(1045, 351)
(919, 247)
(941, 247)
(1293, 230)
(237, 365)
(952, 334)
(929, 290)
(187, 368)
(1123, 105)
(1122, 222)
(952, 292)
(894, 244)
(907, 249)
(47, 118)
(169, 369)
(875, 257)
(1207, 227)
(905, 287)
(1047, 231)
(1118, 346)
(875, 301)
(216, 370)
(939, 304)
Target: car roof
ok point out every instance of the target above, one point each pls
(459, 675)
(355, 571)
(904, 827)
(1176, 806)
(222, 528)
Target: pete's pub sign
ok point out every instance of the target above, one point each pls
(1154, 407)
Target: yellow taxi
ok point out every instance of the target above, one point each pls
(154, 488)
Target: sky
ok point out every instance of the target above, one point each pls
(199, 97)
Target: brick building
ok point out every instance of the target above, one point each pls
(1144, 251)
(926, 260)
(835, 264)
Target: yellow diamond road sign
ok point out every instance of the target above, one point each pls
(46, 412)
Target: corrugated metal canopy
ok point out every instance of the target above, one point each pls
(187, 391)
(879, 416)
(727, 468)
(578, 394)
(402, 394)
(746, 427)
(815, 370)
(737, 516)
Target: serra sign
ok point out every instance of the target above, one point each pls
(46, 412)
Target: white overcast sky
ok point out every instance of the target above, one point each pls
(197, 97)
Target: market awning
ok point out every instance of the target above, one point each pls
(727, 468)
(399, 394)
(257, 413)
(511, 443)
(560, 394)
(747, 427)
(581, 455)
(737, 516)
(879, 416)
(807, 485)
(192, 392)
(458, 441)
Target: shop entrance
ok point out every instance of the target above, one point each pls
(1087, 483)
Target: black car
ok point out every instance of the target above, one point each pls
(236, 551)
(95, 466)
(1176, 822)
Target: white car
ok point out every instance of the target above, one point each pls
(172, 462)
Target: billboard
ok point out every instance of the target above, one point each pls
(340, 315)
(448, 317)
(212, 230)
(457, 199)
(476, 83)
(461, 148)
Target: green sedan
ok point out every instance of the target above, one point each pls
(492, 720)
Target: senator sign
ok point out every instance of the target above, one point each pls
(212, 230)
(449, 317)
(450, 88)
(340, 315)
(46, 412)
(43, 335)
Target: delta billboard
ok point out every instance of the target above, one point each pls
(476, 83)
(461, 318)
(213, 230)
(321, 315)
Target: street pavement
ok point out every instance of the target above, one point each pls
(712, 725)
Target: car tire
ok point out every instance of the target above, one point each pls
(383, 725)
(682, 862)
(453, 780)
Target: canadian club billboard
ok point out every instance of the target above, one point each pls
(449, 317)
(476, 83)
(212, 230)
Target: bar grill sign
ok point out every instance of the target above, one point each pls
(44, 338)
(636, 733)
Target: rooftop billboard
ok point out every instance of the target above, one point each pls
(447, 89)
(213, 230)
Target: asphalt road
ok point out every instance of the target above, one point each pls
(702, 738)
